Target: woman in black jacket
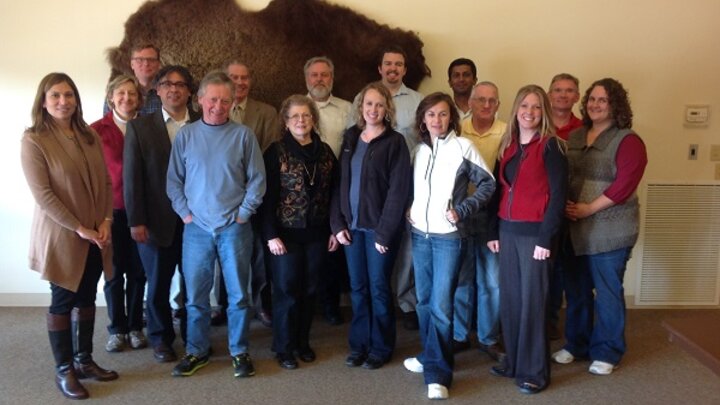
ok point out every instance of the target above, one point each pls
(367, 217)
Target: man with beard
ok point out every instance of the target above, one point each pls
(462, 76)
(334, 113)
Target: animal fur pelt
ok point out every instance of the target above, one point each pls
(275, 42)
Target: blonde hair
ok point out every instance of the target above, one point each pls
(547, 128)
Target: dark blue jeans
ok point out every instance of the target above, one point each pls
(372, 330)
(159, 263)
(295, 280)
(605, 341)
(125, 290)
(437, 265)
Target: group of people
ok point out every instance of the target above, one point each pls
(482, 223)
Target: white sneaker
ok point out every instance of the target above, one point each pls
(116, 343)
(563, 357)
(437, 391)
(412, 364)
(137, 339)
(601, 368)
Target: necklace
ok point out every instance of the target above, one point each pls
(312, 178)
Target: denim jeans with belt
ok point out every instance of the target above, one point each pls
(437, 265)
(372, 329)
(605, 341)
(232, 247)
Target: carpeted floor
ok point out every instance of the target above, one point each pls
(654, 371)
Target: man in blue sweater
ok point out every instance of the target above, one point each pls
(216, 181)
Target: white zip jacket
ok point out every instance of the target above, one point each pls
(441, 177)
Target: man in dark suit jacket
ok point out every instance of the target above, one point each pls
(153, 224)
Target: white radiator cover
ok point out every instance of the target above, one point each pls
(680, 262)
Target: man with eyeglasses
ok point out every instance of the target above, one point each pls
(478, 282)
(216, 182)
(262, 119)
(153, 223)
(145, 64)
(462, 76)
(563, 94)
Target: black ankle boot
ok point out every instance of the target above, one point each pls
(61, 344)
(83, 323)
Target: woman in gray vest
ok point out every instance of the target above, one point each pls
(606, 161)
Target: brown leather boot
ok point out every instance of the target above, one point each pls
(83, 323)
(61, 344)
(68, 383)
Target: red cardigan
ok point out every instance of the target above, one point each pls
(113, 142)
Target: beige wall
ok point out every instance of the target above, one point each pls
(666, 52)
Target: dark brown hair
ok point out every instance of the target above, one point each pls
(427, 103)
(42, 121)
(618, 100)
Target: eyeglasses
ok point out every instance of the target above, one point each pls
(166, 84)
(141, 60)
(482, 100)
(296, 117)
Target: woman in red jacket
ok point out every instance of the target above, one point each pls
(532, 181)
(127, 285)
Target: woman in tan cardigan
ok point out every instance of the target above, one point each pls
(70, 240)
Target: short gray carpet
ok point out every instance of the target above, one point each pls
(654, 371)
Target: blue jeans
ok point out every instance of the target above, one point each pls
(232, 247)
(605, 341)
(478, 289)
(372, 329)
(437, 264)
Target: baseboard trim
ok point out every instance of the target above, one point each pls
(36, 300)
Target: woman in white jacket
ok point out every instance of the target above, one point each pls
(444, 165)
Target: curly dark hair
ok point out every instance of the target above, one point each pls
(426, 104)
(620, 110)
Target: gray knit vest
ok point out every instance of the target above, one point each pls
(591, 172)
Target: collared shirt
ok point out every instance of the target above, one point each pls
(334, 114)
(406, 103)
(237, 113)
(121, 123)
(172, 125)
(486, 143)
(464, 115)
(564, 131)
(151, 103)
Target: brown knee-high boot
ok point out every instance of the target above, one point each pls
(83, 323)
(61, 344)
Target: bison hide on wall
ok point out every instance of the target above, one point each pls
(275, 42)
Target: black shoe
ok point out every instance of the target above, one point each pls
(333, 317)
(495, 351)
(410, 321)
(355, 360)
(188, 365)
(460, 346)
(373, 363)
(529, 388)
(499, 371)
(164, 353)
(243, 365)
(264, 317)
(87, 368)
(286, 361)
(218, 317)
(306, 355)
